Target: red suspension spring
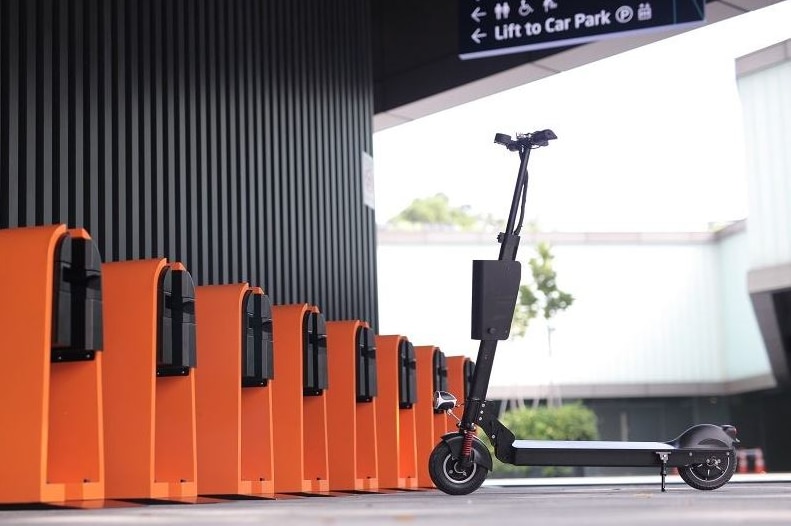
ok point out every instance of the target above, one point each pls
(466, 447)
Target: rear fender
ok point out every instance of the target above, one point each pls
(707, 436)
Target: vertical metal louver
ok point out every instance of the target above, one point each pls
(224, 134)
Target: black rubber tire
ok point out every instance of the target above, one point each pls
(444, 472)
(712, 474)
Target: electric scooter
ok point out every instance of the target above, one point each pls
(703, 454)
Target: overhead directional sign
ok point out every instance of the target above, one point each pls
(497, 27)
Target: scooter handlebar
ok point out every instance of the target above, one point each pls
(535, 139)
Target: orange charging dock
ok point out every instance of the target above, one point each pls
(432, 375)
(233, 402)
(460, 369)
(149, 382)
(351, 406)
(299, 411)
(51, 447)
(395, 424)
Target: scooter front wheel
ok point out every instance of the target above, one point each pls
(448, 475)
(715, 472)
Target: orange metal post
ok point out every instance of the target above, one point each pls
(353, 462)
(457, 383)
(234, 428)
(395, 426)
(430, 425)
(149, 420)
(51, 446)
(299, 422)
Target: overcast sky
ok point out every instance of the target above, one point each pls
(648, 140)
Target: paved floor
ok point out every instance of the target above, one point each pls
(602, 502)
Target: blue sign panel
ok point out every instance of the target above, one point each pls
(492, 27)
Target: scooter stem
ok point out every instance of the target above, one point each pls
(509, 240)
(509, 244)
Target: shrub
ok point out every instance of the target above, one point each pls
(565, 422)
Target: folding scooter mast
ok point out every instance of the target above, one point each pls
(458, 465)
(509, 240)
(509, 244)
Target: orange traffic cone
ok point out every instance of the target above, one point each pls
(741, 458)
(760, 467)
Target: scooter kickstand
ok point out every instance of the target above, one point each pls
(663, 456)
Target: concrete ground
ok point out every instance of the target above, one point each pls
(634, 501)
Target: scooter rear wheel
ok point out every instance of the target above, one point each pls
(712, 474)
(449, 476)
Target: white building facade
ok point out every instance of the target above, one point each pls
(655, 314)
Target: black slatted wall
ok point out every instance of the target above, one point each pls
(225, 134)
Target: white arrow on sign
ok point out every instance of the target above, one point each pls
(477, 14)
(478, 35)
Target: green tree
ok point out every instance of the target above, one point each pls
(437, 211)
(541, 296)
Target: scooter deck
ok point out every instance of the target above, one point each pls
(591, 453)
(591, 444)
